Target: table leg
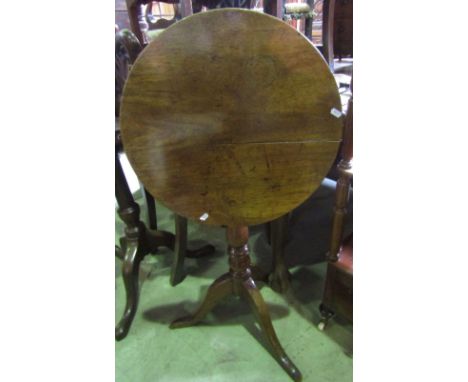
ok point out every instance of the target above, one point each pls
(238, 281)
(280, 276)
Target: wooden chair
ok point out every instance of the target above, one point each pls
(228, 159)
(138, 240)
(338, 293)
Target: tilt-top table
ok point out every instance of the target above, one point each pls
(231, 117)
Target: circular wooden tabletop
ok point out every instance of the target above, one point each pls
(226, 117)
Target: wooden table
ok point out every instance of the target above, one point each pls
(231, 117)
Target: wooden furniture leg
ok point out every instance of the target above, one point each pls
(133, 254)
(340, 210)
(343, 185)
(280, 276)
(177, 272)
(180, 245)
(338, 292)
(151, 210)
(238, 281)
(260, 309)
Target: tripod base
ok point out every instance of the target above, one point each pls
(238, 281)
(139, 242)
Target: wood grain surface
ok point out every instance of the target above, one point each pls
(227, 114)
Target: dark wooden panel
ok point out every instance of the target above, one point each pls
(343, 33)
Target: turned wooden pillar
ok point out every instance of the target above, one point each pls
(343, 185)
(239, 260)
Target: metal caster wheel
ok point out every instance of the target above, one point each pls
(326, 314)
(321, 326)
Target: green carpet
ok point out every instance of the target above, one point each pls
(228, 345)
